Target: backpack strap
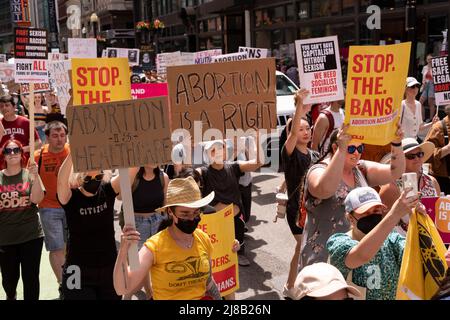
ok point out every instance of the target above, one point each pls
(40, 160)
(161, 178)
(330, 118)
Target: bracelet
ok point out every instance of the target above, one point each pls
(396, 144)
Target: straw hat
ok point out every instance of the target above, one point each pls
(185, 193)
(409, 144)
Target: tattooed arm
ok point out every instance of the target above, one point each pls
(211, 287)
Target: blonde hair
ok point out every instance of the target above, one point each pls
(76, 178)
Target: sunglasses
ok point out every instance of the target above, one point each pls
(412, 156)
(15, 150)
(98, 177)
(352, 149)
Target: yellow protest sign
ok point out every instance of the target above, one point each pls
(100, 80)
(376, 83)
(220, 228)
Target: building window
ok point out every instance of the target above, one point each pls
(262, 39)
(276, 14)
(212, 25)
(325, 8)
(303, 10)
(348, 6)
(290, 12)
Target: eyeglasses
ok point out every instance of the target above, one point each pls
(352, 149)
(412, 156)
(98, 177)
(15, 150)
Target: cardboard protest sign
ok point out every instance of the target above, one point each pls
(441, 79)
(148, 90)
(6, 72)
(38, 88)
(100, 80)
(229, 95)
(205, 56)
(119, 134)
(30, 51)
(60, 80)
(220, 228)
(131, 54)
(254, 53)
(230, 57)
(438, 208)
(319, 69)
(375, 88)
(82, 48)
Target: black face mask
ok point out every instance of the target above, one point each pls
(188, 226)
(91, 186)
(366, 224)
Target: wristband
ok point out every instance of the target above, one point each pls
(396, 144)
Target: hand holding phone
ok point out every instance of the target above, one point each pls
(409, 181)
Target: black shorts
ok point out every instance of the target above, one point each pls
(292, 218)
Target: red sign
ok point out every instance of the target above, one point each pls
(148, 90)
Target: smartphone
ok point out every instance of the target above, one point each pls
(409, 180)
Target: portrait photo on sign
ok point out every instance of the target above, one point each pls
(133, 56)
(112, 53)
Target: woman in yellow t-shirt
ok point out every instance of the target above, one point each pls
(179, 257)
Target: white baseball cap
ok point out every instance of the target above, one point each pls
(320, 280)
(361, 199)
(411, 82)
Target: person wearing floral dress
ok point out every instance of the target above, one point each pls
(328, 183)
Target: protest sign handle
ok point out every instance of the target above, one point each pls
(128, 213)
(31, 118)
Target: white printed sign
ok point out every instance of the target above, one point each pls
(254, 53)
(131, 54)
(441, 80)
(82, 48)
(2, 57)
(319, 69)
(230, 57)
(6, 72)
(205, 56)
(187, 58)
(164, 60)
(31, 71)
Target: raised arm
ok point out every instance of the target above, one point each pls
(125, 280)
(323, 183)
(251, 164)
(368, 247)
(379, 174)
(300, 111)
(37, 190)
(63, 186)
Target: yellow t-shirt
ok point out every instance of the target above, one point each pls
(178, 273)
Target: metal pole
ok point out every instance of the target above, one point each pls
(410, 21)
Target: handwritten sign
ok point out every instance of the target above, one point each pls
(60, 80)
(100, 80)
(254, 53)
(148, 90)
(441, 80)
(319, 69)
(229, 95)
(375, 88)
(82, 48)
(438, 208)
(220, 228)
(119, 134)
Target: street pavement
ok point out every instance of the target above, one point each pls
(269, 247)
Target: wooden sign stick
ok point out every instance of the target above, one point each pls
(128, 213)
(31, 118)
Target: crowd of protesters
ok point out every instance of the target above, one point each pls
(346, 214)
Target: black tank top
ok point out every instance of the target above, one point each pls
(148, 196)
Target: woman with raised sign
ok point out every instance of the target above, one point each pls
(178, 257)
(21, 235)
(330, 180)
(88, 201)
